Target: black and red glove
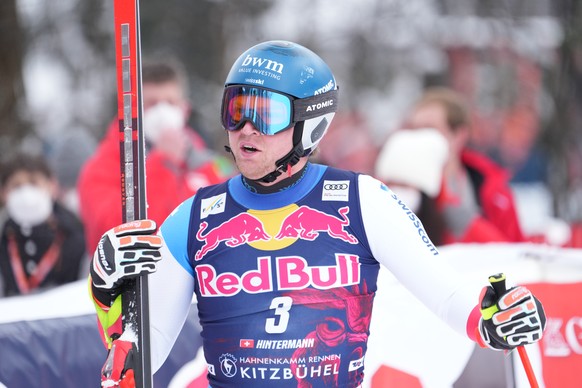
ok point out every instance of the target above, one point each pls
(509, 318)
(118, 370)
(124, 252)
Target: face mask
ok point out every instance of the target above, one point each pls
(29, 205)
(162, 118)
(411, 197)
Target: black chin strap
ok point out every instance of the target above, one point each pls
(283, 164)
(286, 162)
(284, 184)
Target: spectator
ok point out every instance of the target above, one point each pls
(475, 198)
(411, 163)
(178, 162)
(349, 144)
(42, 243)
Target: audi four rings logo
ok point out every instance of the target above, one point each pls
(335, 186)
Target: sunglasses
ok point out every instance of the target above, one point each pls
(271, 112)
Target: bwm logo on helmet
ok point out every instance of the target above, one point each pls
(263, 63)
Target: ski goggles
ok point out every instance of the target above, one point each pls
(271, 112)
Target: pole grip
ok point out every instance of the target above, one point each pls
(498, 282)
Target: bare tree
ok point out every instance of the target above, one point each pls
(13, 125)
(564, 137)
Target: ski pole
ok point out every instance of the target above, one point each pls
(498, 283)
(135, 304)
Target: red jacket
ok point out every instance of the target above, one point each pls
(167, 185)
(498, 221)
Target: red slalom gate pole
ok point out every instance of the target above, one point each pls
(533, 382)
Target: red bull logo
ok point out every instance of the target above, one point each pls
(258, 228)
(291, 273)
(306, 223)
(239, 230)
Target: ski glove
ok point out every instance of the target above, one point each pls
(509, 318)
(125, 252)
(118, 368)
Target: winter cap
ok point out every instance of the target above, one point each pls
(414, 157)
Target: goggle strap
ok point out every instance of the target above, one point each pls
(315, 106)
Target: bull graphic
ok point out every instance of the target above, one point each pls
(241, 229)
(307, 223)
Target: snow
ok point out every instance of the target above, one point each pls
(74, 300)
(129, 334)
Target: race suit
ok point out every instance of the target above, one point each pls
(285, 282)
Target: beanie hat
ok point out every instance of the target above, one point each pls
(415, 158)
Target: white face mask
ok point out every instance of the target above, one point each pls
(29, 205)
(411, 197)
(161, 118)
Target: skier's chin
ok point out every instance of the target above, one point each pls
(249, 170)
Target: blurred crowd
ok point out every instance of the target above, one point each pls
(57, 206)
(438, 161)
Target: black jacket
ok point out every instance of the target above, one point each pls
(33, 245)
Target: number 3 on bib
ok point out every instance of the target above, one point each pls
(281, 305)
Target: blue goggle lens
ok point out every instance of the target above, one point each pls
(270, 112)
